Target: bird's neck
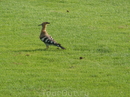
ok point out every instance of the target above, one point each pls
(44, 28)
(43, 31)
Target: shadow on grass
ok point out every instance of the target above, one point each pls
(35, 50)
(31, 50)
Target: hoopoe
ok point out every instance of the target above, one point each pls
(46, 38)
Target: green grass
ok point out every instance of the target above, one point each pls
(97, 30)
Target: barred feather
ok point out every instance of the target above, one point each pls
(50, 41)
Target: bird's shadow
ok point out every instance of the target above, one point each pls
(35, 50)
(32, 50)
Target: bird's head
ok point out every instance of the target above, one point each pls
(44, 23)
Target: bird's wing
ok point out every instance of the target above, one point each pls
(48, 40)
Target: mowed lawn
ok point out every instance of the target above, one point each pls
(95, 33)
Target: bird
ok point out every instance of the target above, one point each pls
(46, 38)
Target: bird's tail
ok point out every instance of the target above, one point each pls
(62, 47)
(59, 45)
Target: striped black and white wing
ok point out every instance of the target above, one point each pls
(48, 40)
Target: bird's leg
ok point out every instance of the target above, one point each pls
(47, 46)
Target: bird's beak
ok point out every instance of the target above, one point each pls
(48, 22)
(39, 24)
